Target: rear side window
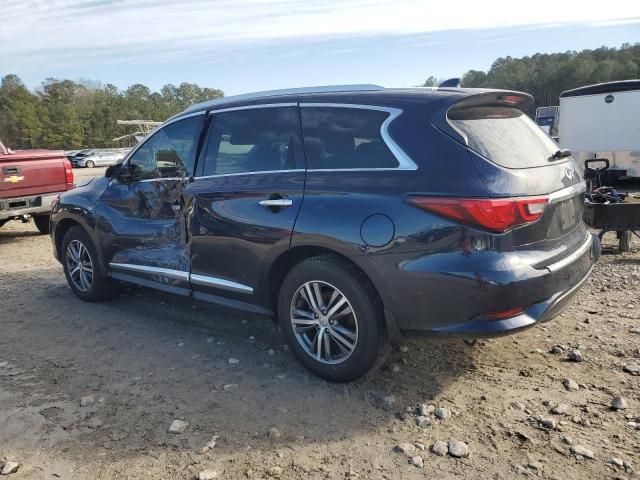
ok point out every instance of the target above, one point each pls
(504, 135)
(345, 138)
(253, 140)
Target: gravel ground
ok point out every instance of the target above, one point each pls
(91, 390)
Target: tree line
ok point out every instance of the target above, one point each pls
(545, 76)
(63, 114)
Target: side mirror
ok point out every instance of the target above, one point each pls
(120, 171)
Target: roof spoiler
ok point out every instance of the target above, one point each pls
(452, 83)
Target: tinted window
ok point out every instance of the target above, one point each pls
(253, 140)
(345, 138)
(504, 135)
(170, 152)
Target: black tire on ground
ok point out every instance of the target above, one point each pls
(2, 222)
(100, 287)
(90, 164)
(371, 344)
(42, 223)
(625, 241)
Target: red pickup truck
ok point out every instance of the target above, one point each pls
(29, 181)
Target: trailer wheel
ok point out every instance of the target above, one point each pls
(625, 240)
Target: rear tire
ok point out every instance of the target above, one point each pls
(42, 223)
(353, 338)
(625, 241)
(82, 269)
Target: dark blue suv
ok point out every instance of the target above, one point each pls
(352, 215)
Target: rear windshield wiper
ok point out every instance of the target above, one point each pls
(564, 153)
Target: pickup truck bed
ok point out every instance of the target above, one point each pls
(29, 181)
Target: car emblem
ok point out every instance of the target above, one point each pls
(13, 179)
(609, 98)
(569, 173)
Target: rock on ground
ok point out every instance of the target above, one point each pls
(618, 403)
(9, 468)
(632, 368)
(582, 451)
(178, 426)
(87, 401)
(458, 449)
(423, 421)
(442, 413)
(417, 461)
(575, 356)
(207, 475)
(406, 448)
(440, 448)
(571, 385)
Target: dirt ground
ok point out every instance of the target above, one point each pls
(148, 358)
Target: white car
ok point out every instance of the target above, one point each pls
(98, 159)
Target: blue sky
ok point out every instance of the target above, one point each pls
(248, 45)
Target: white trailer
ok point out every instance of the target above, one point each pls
(603, 121)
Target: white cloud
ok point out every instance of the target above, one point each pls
(128, 30)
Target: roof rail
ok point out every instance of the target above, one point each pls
(288, 91)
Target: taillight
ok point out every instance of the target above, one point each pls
(495, 214)
(68, 174)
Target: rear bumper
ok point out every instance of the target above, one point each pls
(32, 205)
(426, 299)
(537, 313)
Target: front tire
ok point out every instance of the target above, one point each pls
(332, 318)
(90, 164)
(84, 273)
(42, 223)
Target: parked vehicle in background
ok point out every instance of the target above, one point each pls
(547, 120)
(29, 182)
(353, 215)
(98, 158)
(603, 121)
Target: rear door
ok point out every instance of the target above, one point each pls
(143, 218)
(245, 199)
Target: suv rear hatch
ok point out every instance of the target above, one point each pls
(516, 160)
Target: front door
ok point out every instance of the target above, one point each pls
(143, 211)
(244, 199)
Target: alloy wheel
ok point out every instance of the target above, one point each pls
(324, 322)
(79, 265)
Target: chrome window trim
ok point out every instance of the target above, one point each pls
(253, 107)
(167, 272)
(250, 173)
(404, 161)
(554, 267)
(207, 105)
(221, 283)
(567, 192)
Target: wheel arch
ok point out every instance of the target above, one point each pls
(295, 255)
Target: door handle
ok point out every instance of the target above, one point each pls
(276, 202)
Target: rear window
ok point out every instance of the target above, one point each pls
(345, 138)
(504, 135)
